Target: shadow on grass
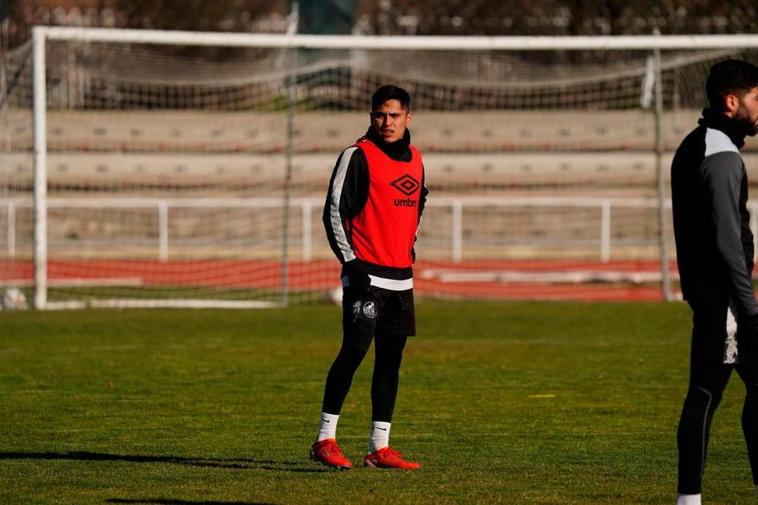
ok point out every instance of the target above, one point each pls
(232, 463)
(169, 501)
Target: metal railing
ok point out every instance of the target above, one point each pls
(456, 206)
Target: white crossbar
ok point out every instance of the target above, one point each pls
(430, 43)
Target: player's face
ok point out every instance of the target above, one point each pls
(390, 120)
(747, 112)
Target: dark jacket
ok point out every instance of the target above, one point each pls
(709, 192)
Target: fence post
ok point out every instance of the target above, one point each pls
(163, 231)
(289, 84)
(457, 230)
(605, 231)
(658, 117)
(10, 228)
(40, 168)
(307, 230)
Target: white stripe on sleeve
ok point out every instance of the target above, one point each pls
(334, 206)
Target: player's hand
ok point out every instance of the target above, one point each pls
(747, 329)
(356, 275)
(748, 326)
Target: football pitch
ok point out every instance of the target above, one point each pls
(516, 403)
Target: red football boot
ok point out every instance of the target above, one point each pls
(329, 453)
(387, 457)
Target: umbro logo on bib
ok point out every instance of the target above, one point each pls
(406, 184)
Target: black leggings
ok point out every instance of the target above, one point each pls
(355, 344)
(707, 383)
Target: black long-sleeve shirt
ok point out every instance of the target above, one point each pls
(709, 190)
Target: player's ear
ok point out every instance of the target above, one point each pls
(731, 103)
(410, 117)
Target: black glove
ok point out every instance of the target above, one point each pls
(357, 275)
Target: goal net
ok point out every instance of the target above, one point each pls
(193, 172)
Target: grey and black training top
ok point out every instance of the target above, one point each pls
(709, 190)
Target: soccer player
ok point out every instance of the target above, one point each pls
(714, 248)
(373, 208)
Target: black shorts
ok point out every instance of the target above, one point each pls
(390, 311)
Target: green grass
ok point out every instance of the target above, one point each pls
(533, 403)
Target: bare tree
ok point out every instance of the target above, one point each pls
(199, 15)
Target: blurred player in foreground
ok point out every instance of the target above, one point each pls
(714, 248)
(373, 208)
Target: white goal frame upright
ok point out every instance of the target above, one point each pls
(652, 43)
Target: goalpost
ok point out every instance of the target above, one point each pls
(184, 169)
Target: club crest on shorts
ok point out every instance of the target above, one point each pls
(369, 310)
(731, 352)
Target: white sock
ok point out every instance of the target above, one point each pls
(688, 499)
(380, 436)
(328, 427)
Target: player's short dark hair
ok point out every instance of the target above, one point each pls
(390, 92)
(729, 77)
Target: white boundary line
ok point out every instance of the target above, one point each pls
(565, 277)
(80, 282)
(169, 303)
